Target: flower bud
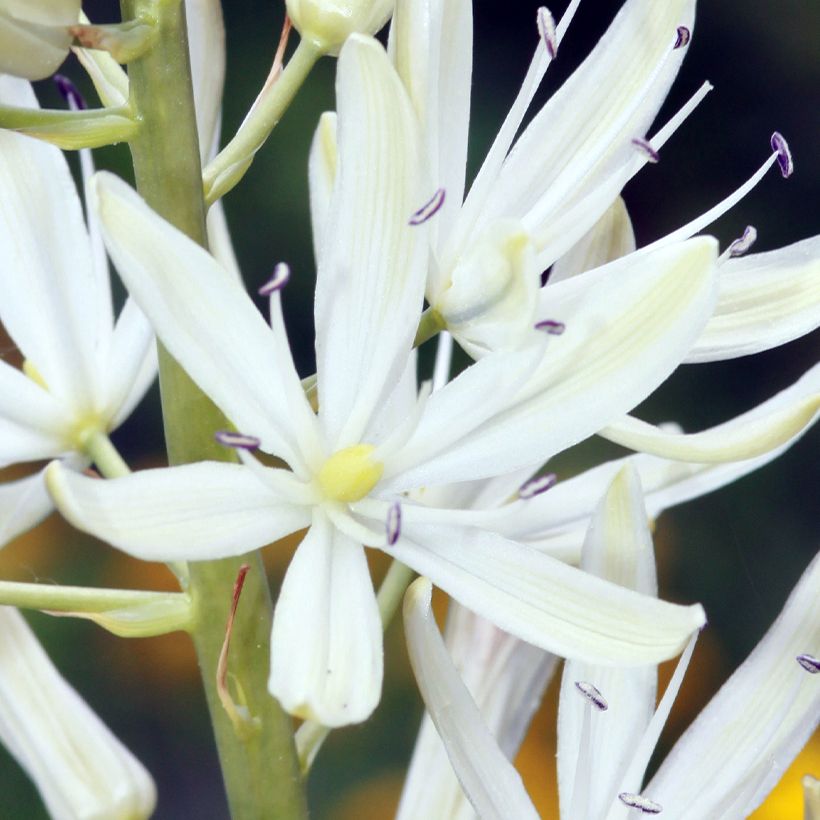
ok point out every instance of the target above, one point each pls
(490, 300)
(328, 23)
(80, 769)
(34, 36)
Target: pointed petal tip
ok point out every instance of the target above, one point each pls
(418, 598)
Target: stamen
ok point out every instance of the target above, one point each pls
(642, 804)
(743, 243)
(809, 662)
(546, 31)
(70, 92)
(237, 441)
(393, 523)
(592, 694)
(551, 326)
(784, 154)
(683, 38)
(279, 278)
(646, 147)
(429, 209)
(536, 486)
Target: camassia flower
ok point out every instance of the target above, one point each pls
(79, 767)
(722, 767)
(34, 36)
(373, 442)
(83, 373)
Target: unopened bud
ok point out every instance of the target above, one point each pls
(328, 23)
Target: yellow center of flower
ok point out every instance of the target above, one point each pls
(350, 474)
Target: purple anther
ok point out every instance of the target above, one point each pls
(683, 37)
(237, 441)
(592, 694)
(809, 662)
(70, 93)
(642, 804)
(546, 31)
(536, 486)
(784, 154)
(742, 244)
(393, 524)
(551, 326)
(430, 208)
(279, 278)
(646, 147)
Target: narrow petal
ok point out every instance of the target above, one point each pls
(196, 512)
(109, 78)
(48, 298)
(541, 600)
(322, 165)
(489, 780)
(34, 38)
(24, 503)
(623, 338)
(751, 730)
(610, 238)
(764, 300)
(591, 763)
(326, 650)
(758, 431)
(370, 283)
(78, 766)
(207, 321)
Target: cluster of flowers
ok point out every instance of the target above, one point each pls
(446, 478)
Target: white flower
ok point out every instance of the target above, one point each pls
(83, 372)
(372, 442)
(80, 769)
(722, 767)
(34, 37)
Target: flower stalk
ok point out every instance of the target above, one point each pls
(261, 772)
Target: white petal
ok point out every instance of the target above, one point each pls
(34, 39)
(326, 646)
(194, 512)
(48, 298)
(24, 503)
(623, 338)
(758, 431)
(370, 283)
(764, 300)
(611, 237)
(541, 600)
(109, 78)
(207, 321)
(592, 762)
(219, 240)
(33, 424)
(322, 166)
(751, 730)
(489, 780)
(80, 769)
(206, 43)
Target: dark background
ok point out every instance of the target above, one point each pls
(738, 551)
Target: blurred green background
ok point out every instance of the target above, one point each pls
(738, 552)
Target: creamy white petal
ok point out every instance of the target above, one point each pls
(592, 759)
(24, 503)
(109, 78)
(622, 339)
(208, 323)
(489, 780)
(370, 282)
(611, 237)
(80, 769)
(323, 162)
(764, 300)
(751, 730)
(541, 600)
(33, 424)
(48, 298)
(754, 433)
(590, 122)
(195, 512)
(326, 646)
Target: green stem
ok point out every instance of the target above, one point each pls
(77, 599)
(71, 130)
(312, 735)
(261, 772)
(231, 163)
(104, 454)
